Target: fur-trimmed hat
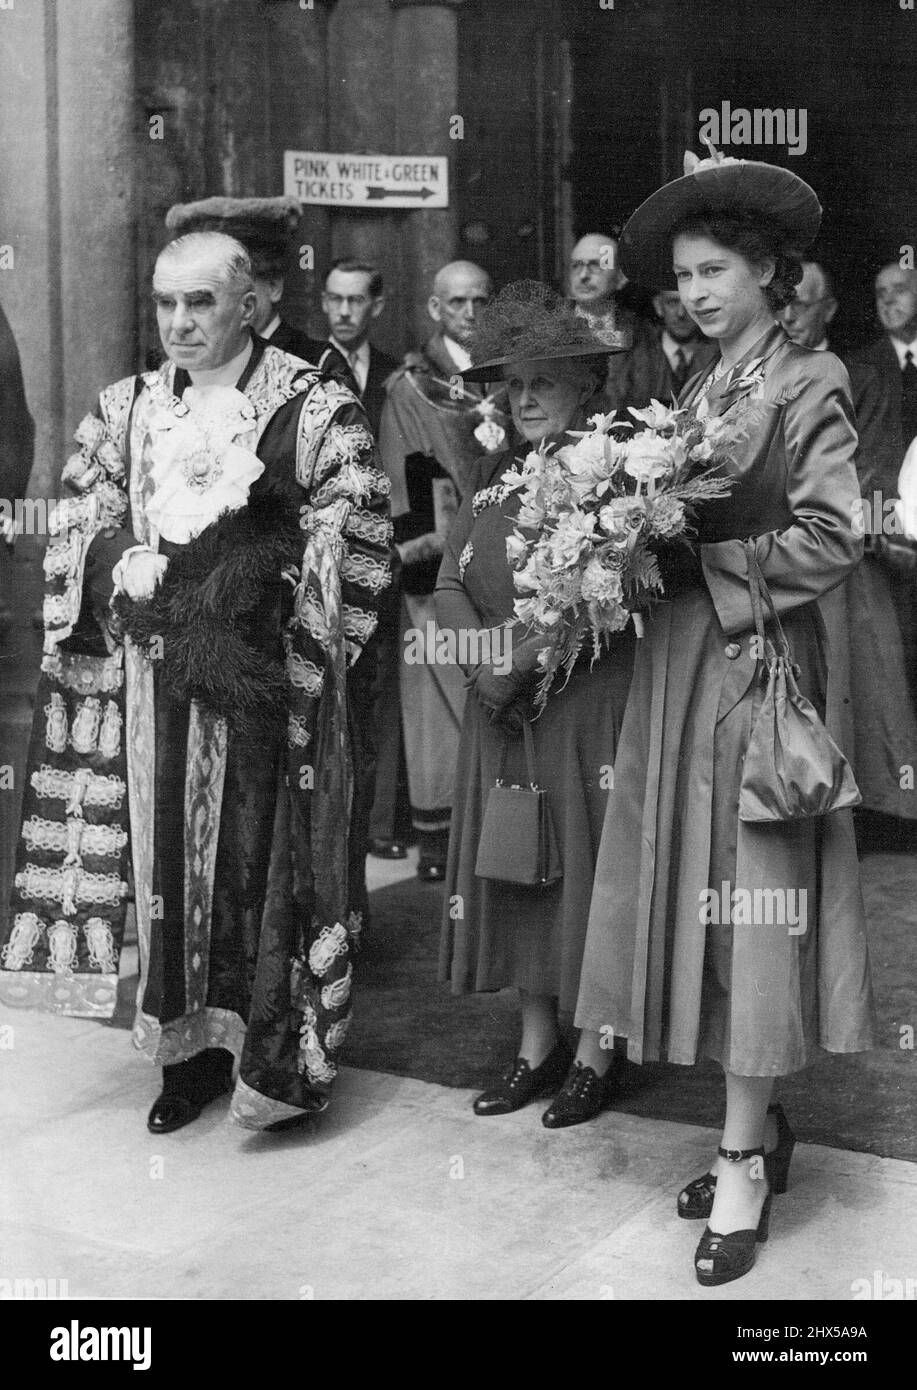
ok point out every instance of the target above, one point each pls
(528, 321)
(266, 227)
(717, 184)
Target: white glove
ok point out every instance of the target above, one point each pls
(138, 572)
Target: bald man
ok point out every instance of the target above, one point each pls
(429, 450)
(212, 583)
(595, 282)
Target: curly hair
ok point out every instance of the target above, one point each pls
(755, 237)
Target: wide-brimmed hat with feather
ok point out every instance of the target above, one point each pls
(529, 322)
(716, 184)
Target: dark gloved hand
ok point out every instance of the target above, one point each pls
(680, 567)
(510, 718)
(495, 691)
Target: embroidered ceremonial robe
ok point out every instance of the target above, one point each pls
(238, 844)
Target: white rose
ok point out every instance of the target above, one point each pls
(648, 457)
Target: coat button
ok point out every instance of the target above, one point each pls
(733, 650)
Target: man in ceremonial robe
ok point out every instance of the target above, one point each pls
(434, 429)
(211, 586)
(267, 229)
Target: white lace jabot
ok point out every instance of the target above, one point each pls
(203, 460)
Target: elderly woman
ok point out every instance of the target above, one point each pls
(678, 979)
(498, 934)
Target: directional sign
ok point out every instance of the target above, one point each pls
(366, 180)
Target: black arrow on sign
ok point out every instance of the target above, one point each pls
(376, 192)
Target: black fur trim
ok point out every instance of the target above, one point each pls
(198, 614)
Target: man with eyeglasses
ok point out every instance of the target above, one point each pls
(353, 299)
(595, 284)
(869, 707)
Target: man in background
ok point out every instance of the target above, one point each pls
(267, 229)
(429, 450)
(895, 353)
(352, 300)
(894, 356)
(662, 361)
(870, 710)
(595, 284)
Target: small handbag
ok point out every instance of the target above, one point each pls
(792, 768)
(518, 844)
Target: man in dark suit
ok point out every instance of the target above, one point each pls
(894, 358)
(895, 353)
(662, 361)
(872, 660)
(267, 229)
(353, 299)
(875, 395)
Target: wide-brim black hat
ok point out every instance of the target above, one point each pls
(717, 184)
(529, 322)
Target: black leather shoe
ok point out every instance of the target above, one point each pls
(695, 1202)
(172, 1112)
(721, 1259)
(431, 870)
(583, 1094)
(187, 1087)
(520, 1084)
(388, 849)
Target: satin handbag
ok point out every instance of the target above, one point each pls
(517, 843)
(792, 768)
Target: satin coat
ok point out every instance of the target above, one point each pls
(758, 997)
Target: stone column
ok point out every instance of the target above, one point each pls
(363, 94)
(66, 180)
(298, 115)
(30, 288)
(426, 79)
(95, 63)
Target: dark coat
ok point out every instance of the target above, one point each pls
(877, 407)
(643, 373)
(17, 432)
(880, 357)
(313, 350)
(381, 367)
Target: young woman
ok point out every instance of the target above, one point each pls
(498, 934)
(667, 963)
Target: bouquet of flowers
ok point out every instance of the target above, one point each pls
(591, 511)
